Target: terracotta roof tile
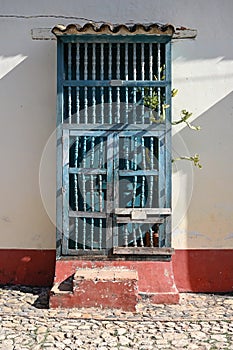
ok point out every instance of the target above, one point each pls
(117, 29)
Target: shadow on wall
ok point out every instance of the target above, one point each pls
(204, 242)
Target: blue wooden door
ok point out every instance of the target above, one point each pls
(115, 145)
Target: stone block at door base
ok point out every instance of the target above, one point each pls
(110, 287)
(100, 287)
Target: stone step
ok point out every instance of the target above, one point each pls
(105, 287)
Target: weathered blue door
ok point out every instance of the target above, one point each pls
(114, 163)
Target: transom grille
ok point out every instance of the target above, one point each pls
(108, 82)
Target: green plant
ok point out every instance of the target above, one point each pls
(152, 100)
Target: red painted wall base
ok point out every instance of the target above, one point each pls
(209, 270)
(27, 267)
(204, 270)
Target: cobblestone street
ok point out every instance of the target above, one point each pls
(200, 321)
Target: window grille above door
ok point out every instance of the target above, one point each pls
(114, 140)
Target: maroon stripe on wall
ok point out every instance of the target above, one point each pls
(199, 270)
(27, 267)
(203, 270)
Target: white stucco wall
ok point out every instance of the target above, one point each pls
(203, 73)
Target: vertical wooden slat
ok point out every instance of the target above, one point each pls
(159, 78)
(76, 220)
(69, 78)
(85, 78)
(84, 150)
(135, 78)
(150, 71)
(84, 233)
(111, 194)
(161, 186)
(135, 168)
(91, 176)
(150, 62)
(126, 78)
(60, 77)
(143, 77)
(110, 88)
(100, 233)
(134, 236)
(141, 236)
(118, 88)
(93, 78)
(151, 167)
(77, 78)
(115, 185)
(101, 159)
(102, 78)
(151, 236)
(126, 141)
(168, 165)
(125, 236)
(60, 118)
(65, 191)
(144, 168)
(76, 190)
(92, 188)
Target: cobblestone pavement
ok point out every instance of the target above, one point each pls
(200, 321)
